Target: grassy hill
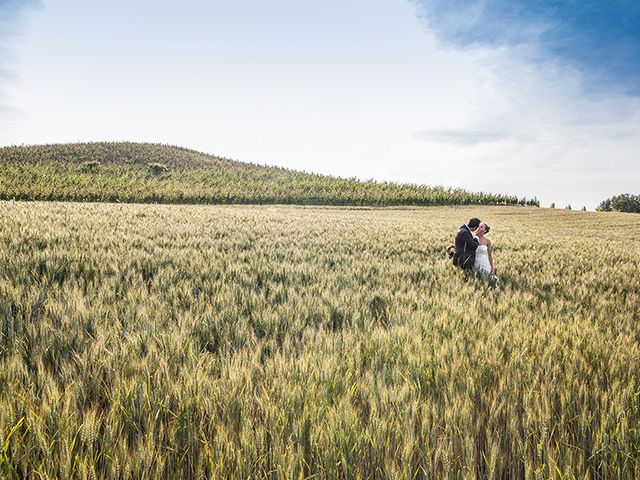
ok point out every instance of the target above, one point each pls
(152, 173)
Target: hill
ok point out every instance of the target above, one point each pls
(153, 173)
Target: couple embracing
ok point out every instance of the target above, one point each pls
(474, 252)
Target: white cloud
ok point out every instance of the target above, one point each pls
(534, 125)
(10, 22)
(463, 136)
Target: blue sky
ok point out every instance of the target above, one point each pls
(517, 97)
(599, 38)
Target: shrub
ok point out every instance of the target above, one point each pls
(158, 168)
(621, 203)
(89, 166)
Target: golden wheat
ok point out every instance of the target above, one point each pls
(287, 342)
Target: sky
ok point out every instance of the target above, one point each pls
(518, 97)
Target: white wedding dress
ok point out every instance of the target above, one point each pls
(482, 265)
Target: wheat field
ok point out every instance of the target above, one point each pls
(157, 341)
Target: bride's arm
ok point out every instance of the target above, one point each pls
(490, 251)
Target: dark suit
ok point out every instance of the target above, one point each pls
(465, 254)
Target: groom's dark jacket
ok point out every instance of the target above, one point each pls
(466, 245)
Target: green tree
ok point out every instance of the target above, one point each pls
(621, 203)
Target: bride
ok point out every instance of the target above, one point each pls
(484, 259)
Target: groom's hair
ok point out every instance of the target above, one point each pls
(474, 223)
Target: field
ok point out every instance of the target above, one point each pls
(157, 341)
(152, 173)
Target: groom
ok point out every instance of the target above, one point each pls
(465, 254)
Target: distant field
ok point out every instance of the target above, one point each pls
(149, 173)
(149, 341)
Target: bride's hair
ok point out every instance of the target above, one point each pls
(486, 228)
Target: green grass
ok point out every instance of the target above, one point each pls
(146, 173)
(155, 341)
